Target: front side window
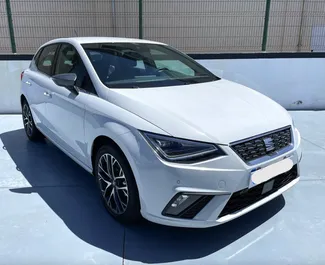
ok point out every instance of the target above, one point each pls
(45, 60)
(135, 65)
(69, 61)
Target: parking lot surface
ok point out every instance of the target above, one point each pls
(50, 213)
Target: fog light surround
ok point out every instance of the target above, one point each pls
(180, 199)
(186, 205)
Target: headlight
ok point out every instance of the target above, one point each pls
(179, 150)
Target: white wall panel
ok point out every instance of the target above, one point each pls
(10, 85)
(294, 83)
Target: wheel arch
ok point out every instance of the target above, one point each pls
(101, 140)
(106, 140)
(22, 99)
(98, 142)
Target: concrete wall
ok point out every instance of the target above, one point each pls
(294, 83)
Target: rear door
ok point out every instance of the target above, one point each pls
(65, 108)
(37, 80)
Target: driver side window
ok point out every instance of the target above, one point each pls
(69, 61)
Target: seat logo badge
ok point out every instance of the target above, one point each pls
(269, 144)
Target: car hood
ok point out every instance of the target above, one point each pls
(219, 111)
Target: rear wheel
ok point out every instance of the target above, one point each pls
(31, 131)
(117, 185)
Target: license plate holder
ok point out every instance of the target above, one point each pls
(262, 175)
(268, 186)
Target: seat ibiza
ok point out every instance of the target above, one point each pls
(164, 137)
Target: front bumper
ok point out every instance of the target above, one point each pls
(197, 223)
(159, 181)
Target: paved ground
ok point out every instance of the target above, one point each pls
(50, 214)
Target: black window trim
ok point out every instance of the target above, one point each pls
(56, 57)
(37, 55)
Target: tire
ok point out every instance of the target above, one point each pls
(31, 131)
(119, 192)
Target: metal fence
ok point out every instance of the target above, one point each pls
(194, 26)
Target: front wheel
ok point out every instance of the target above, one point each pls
(31, 131)
(117, 185)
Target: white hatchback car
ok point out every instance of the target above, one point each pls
(164, 137)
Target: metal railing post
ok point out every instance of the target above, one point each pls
(11, 27)
(266, 24)
(300, 25)
(140, 20)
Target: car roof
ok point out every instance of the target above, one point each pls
(84, 40)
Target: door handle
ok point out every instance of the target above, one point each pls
(47, 94)
(28, 83)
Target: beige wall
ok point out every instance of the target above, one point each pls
(190, 25)
(206, 26)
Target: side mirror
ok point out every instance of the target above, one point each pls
(66, 80)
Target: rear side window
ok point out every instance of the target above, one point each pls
(36, 57)
(45, 61)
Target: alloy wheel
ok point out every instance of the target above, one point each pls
(113, 184)
(28, 120)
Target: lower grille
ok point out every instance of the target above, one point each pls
(246, 197)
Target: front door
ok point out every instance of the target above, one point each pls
(65, 108)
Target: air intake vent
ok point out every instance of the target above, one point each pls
(246, 197)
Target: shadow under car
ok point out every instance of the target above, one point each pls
(73, 196)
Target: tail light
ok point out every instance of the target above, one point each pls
(21, 75)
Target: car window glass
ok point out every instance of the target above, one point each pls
(36, 57)
(140, 64)
(69, 61)
(135, 65)
(46, 59)
(176, 66)
(163, 61)
(157, 52)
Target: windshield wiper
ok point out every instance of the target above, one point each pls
(194, 79)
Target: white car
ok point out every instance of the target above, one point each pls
(165, 138)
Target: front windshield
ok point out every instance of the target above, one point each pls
(140, 65)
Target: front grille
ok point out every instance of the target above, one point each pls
(246, 197)
(259, 146)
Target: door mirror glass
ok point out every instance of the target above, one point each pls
(66, 80)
